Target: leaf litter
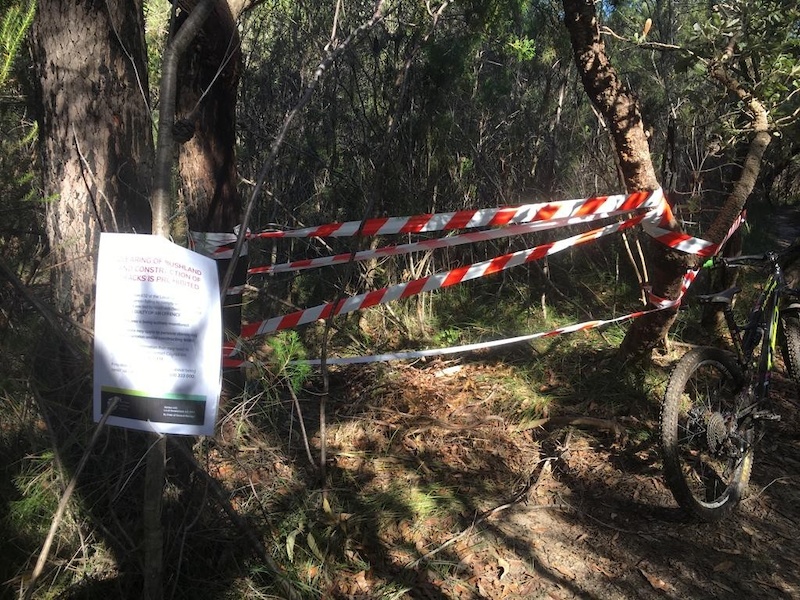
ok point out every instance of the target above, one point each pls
(447, 495)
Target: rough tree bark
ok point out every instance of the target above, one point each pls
(751, 167)
(208, 80)
(721, 73)
(95, 132)
(621, 113)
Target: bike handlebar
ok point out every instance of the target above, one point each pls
(769, 257)
(739, 261)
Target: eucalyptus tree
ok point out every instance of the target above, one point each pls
(742, 63)
(96, 136)
(92, 99)
(620, 109)
(751, 52)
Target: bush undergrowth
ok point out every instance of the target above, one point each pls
(415, 452)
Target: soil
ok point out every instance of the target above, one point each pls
(565, 509)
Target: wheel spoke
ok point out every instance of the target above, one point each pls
(705, 465)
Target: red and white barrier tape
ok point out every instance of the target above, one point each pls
(664, 303)
(423, 245)
(684, 242)
(522, 220)
(660, 214)
(527, 219)
(487, 217)
(231, 359)
(432, 282)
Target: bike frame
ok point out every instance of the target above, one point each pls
(717, 402)
(762, 318)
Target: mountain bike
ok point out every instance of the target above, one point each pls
(717, 400)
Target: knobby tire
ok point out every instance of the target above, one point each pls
(789, 341)
(706, 478)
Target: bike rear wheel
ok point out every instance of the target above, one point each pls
(707, 459)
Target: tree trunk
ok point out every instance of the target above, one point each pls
(208, 80)
(713, 320)
(95, 132)
(621, 113)
(743, 187)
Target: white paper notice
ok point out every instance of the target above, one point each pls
(158, 335)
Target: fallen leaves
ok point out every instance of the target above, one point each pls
(725, 565)
(655, 582)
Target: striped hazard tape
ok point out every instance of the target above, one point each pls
(654, 226)
(599, 206)
(231, 359)
(424, 245)
(511, 221)
(684, 242)
(430, 283)
(523, 219)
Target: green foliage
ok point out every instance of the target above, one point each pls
(447, 337)
(15, 19)
(156, 27)
(524, 48)
(287, 349)
(21, 225)
(38, 488)
(766, 48)
(438, 93)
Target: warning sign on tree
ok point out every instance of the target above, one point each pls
(158, 335)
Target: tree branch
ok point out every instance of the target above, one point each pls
(162, 176)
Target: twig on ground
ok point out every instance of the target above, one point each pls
(640, 276)
(302, 422)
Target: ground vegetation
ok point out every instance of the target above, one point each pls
(530, 471)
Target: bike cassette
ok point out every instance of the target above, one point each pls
(716, 431)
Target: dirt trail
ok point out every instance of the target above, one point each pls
(622, 537)
(594, 520)
(614, 530)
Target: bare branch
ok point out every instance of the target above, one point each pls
(162, 176)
